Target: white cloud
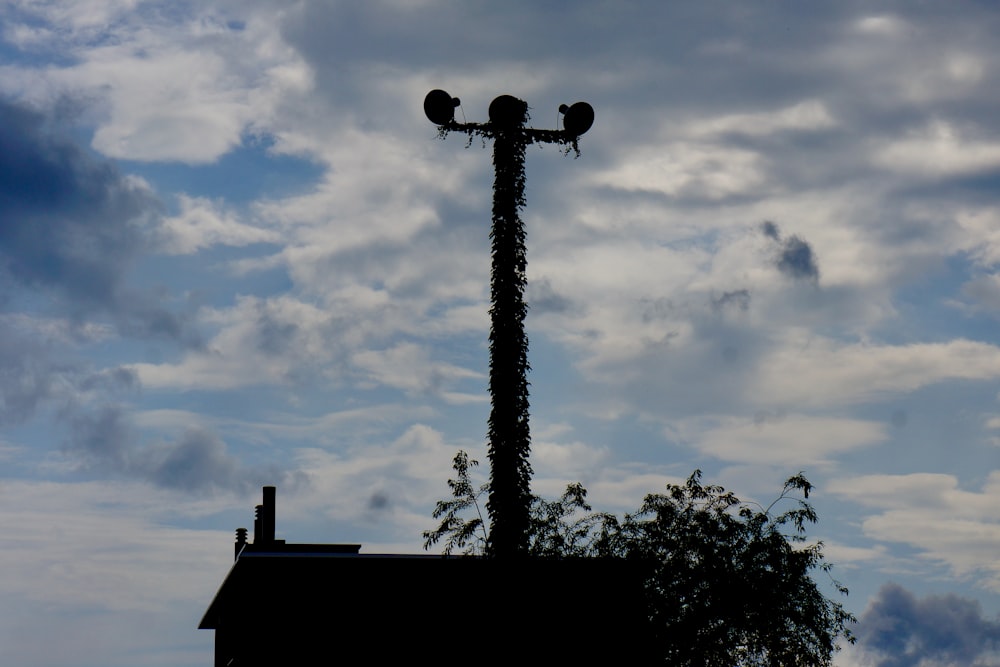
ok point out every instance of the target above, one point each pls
(575, 460)
(980, 234)
(622, 488)
(637, 243)
(885, 25)
(808, 115)
(982, 294)
(203, 223)
(57, 330)
(394, 484)
(259, 342)
(108, 569)
(931, 513)
(408, 366)
(104, 546)
(822, 372)
(281, 425)
(8, 450)
(851, 557)
(84, 16)
(795, 440)
(938, 150)
(909, 63)
(681, 168)
(182, 91)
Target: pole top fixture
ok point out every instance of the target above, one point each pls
(578, 118)
(508, 111)
(439, 107)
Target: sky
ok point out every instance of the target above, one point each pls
(234, 252)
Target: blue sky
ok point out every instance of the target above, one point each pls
(234, 252)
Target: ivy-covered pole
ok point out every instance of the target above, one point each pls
(509, 435)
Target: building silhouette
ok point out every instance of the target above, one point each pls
(323, 604)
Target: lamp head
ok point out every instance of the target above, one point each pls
(578, 118)
(439, 107)
(508, 111)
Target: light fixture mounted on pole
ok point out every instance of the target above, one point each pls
(509, 435)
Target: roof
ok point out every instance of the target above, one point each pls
(291, 606)
(298, 603)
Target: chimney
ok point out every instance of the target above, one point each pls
(267, 515)
(263, 521)
(241, 541)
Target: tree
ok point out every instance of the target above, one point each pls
(725, 582)
(459, 532)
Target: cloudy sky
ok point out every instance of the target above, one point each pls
(233, 251)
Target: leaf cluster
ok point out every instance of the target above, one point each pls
(726, 582)
(568, 142)
(457, 531)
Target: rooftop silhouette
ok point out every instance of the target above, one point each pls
(298, 604)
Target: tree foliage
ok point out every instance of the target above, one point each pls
(726, 582)
(458, 531)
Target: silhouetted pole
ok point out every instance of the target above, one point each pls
(509, 435)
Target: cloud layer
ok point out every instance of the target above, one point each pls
(233, 251)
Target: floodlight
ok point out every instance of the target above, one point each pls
(508, 111)
(578, 118)
(440, 107)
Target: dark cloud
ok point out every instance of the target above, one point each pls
(795, 257)
(330, 35)
(379, 502)
(113, 379)
(67, 217)
(71, 224)
(770, 230)
(274, 335)
(542, 298)
(739, 299)
(27, 376)
(769, 417)
(102, 439)
(900, 630)
(199, 461)
(658, 309)
(33, 370)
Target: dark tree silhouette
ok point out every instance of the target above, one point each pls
(725, 582)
